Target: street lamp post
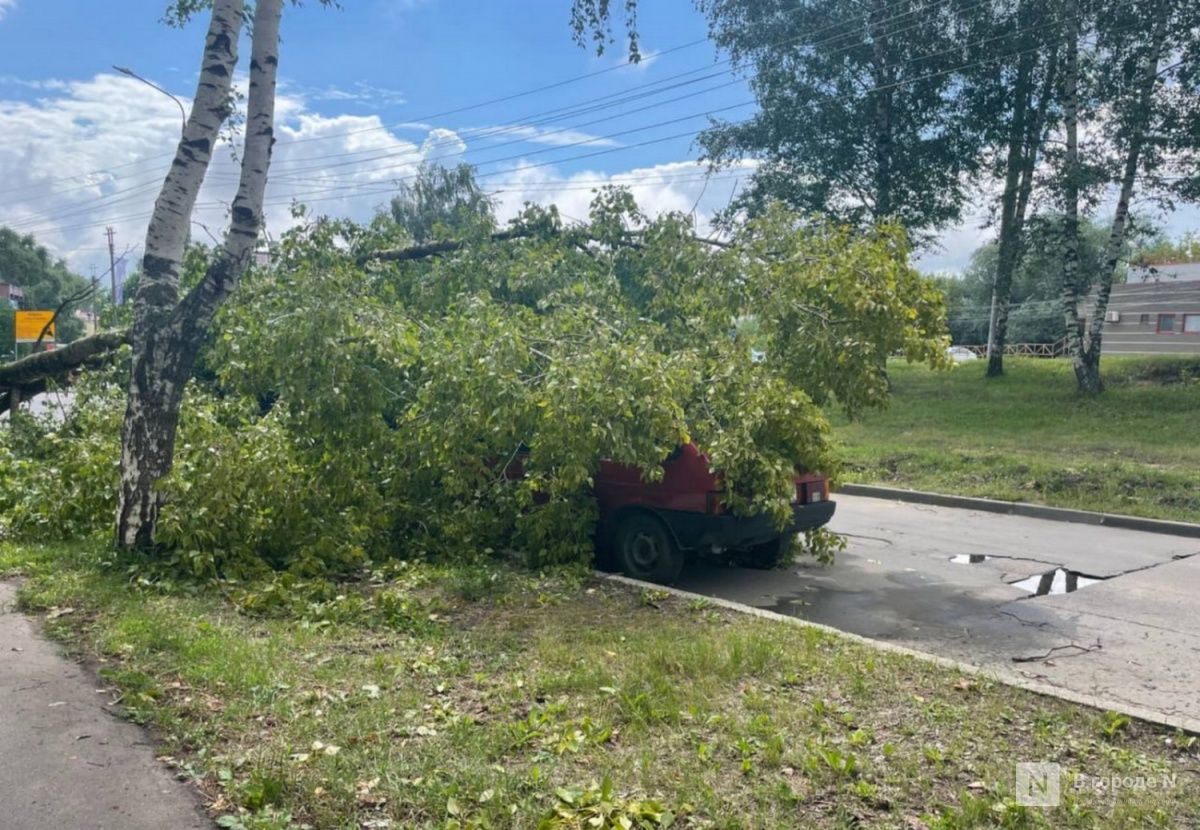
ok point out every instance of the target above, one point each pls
(124, 70)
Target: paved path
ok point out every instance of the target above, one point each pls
(942, 580)
(65, 761)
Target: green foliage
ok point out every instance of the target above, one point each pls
(860, 113)
(442, 203)
(590, 22)
(347, 411)
(58, 477)
(46, 283)
(242, 486)
(598, 806)
(1160, 249)
(1036, 313)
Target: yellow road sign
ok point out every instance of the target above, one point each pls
(29, 325)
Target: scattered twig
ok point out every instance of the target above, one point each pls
(1038, 657)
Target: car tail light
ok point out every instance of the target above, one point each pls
(712, 504)
(812, 491)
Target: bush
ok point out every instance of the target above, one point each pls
(58, 478)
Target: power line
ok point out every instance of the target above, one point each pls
(896, 84)
(608, 136)
(615, 99)
(497, 100)
(881, 87)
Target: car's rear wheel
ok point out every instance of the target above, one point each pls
(645, 550)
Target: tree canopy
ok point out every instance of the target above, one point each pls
(1036, 315)
(859, 112)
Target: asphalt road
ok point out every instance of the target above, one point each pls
(964, 584)
(66, 761)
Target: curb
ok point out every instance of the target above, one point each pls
(1018, 508)
(1008, 678)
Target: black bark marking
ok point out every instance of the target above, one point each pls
(199, 145)
(156, 266)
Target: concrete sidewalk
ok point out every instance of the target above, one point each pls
(66, 762)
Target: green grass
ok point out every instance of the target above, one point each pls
(437, 698)
(1028, 436)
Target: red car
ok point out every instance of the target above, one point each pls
(648, 529)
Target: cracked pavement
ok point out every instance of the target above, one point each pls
(939, 580)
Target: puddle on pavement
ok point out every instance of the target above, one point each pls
(1057, 581)
(969, 558)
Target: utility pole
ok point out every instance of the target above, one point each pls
(112, 262)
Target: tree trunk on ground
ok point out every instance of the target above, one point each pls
(167, 333)
(29, 375)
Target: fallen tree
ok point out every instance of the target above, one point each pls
(350, 412)
(31, 375)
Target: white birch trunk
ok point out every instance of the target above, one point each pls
(167, 334)
(1085, 337)
(1070, 244)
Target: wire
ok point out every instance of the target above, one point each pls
(895, 84)
(494, 100)
(592, 140)
(532, 120)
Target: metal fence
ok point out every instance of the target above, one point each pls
(1056, 349)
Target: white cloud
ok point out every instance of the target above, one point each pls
(343, 165)
(51, 147)
(360, 93)
(681, 186)
(444, 145)
(6, 6)
(553, 136)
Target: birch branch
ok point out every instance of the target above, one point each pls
(166, 235)
(198, 307)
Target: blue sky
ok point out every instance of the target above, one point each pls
(367, 92)
(419, 57)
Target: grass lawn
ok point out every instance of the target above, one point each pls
(425, 697)
(1029, 437)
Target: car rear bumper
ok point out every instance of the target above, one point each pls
(700, 531)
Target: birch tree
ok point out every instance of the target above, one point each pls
(167, 330)
(1143, 126)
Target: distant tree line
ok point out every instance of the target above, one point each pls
(44, 279)
(913, 110)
